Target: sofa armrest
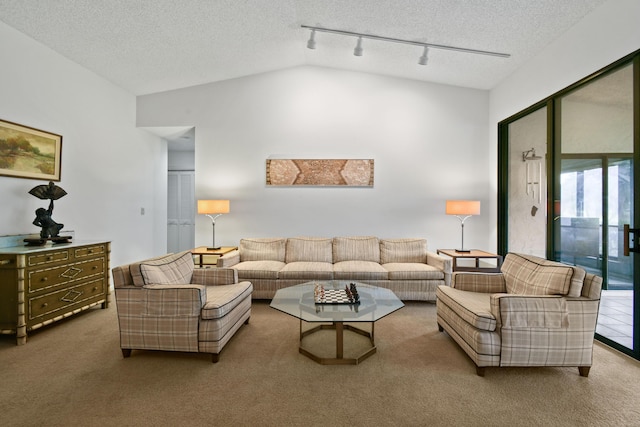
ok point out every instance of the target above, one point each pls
(442, 263)
(173, 300)
(514, 311)
(214, 276)
(229, 259)
(490, 283)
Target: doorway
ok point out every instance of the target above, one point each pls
(568, 170)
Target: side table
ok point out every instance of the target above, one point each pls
(476, 256)
(202, 252)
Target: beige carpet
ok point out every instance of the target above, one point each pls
(73, 373)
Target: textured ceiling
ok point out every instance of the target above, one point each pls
(148, 46)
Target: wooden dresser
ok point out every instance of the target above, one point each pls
(41, 285)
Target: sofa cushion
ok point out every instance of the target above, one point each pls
(473, 307)
(258, 269)
(529, 275)
(307, 271)
(262, 249)
(403, 250)
(359, 270)
(170, 270)
(412, 271)
(222, 299)
(134, 270)
(313, 249)
(365, 248)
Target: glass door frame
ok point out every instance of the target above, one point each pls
(553, 172)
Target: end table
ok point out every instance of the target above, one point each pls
(203, 251)
(475, 255)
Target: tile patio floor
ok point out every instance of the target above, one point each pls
(615, 320)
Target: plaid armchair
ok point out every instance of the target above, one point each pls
(166, 304)
(534, 313)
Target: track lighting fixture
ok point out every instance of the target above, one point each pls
(358, 50)
(424, 58)
(311, 44)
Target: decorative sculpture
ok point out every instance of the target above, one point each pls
(50, 228)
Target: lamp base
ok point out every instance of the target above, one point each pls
(463, 251)
(214, 249)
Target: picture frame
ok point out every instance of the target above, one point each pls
(31, 153)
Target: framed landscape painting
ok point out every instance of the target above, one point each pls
(31, 153)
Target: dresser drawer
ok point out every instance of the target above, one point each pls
(90, 251)
(40, 279)
(47, 258)
(66, 299)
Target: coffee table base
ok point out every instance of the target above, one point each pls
(339, 327)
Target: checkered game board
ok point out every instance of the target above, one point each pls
(334, 296)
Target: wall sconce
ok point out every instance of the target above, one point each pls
(463, 209)
(213, 209)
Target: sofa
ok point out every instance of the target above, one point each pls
(534, 312)
(165, 303)
(403, 265)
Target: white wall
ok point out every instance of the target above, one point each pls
(110, 169)
(429, 143)
(607, 34)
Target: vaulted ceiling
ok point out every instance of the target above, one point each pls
(147, 46)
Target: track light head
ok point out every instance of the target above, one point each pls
(358, 50)
(311, 44)
(424, 58)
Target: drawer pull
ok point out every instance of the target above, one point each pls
(95, 288)
(6, 261)
(90, 251)
(44, 279)
(49, 258)
(45, 305)
(95, 267)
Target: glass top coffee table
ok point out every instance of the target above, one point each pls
(375, 303)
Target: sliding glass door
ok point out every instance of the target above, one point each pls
(594, 193)
(569, 167)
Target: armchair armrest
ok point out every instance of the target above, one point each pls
(214, 276)
(515, 311)
(229, 259)
(489, 283)
(442, 263)
(173, 300)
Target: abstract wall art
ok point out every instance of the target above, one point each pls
(320, 172)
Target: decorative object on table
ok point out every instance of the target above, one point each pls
(348, 295)
(463, 209)
(213, 209)
(50, 228)
(27, 152)
(320, 172)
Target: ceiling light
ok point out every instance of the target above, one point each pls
(358, 50)
(311, 44)
(424, 58)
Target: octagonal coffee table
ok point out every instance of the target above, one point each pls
(375, 303)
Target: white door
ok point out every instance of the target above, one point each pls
(181, 211)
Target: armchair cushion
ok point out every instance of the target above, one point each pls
(472, 307)
(527, 275)
(169, 270)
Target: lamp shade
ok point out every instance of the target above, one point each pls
(463, 207)
(213, 206)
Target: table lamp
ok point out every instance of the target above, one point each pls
(463, 209)
(213, 209)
